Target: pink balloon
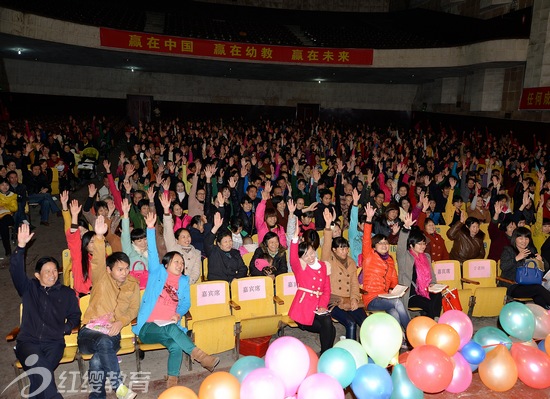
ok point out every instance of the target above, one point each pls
(461, 323)
(320, 386)
(289, 359)
(533, 366)
(262, 383)
(462, 375)
(542, 320)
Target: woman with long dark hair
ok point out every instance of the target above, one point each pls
(515, 255)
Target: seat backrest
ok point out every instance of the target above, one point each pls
(209, 299)
(482, 271)
(448, 272)
(254, 295)
(285, 289)
(247, 258)
(67, 264)
(204, 269)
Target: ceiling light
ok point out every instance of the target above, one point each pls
(318, 81)
(19, 51)
(132, 69)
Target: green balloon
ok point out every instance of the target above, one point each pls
(355, 349)
(403, 388)
(490, 337)
(517, 320)
(381, 336)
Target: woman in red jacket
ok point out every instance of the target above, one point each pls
(379, 274)
(310, 305)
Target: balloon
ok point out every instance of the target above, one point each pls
(444, 337)
(533, 366)
(542, 345)
(220, 385)
(461, 323)
(403, 358)
(498, 371)
(517, 320)
(403, 388)
(372, 382)
(418, 328)
(429, 368)
(245, 365)
(462, 375)
(547, 344)
(490, 337)
(178, 392)
(319, 386)
(473, 353)
(531, 342)
(262, 383)
(381, 336)
(355, 349)
(313, 360)
(288, 357)
(339, 364)
(542, 320)
(473, 367)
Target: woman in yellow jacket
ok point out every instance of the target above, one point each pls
(8, 206)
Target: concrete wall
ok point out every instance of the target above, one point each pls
(57, 79)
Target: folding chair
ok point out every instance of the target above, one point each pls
(480, 276)
(285, 290)
(448, 272)
(212, 326)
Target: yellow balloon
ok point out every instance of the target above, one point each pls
(498, 371)
(178, 392)
(220, 385)
(444, 337)
(417, 330)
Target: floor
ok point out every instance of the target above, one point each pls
(50, 240)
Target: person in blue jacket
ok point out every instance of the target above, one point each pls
(50, 311)
(165, 301)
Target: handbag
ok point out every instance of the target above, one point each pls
(141, 275)
(529, 273)
(450, 300)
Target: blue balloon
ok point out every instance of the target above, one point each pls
(242, 367)
(473, 367)
(541, 345)
(473, 352)
(339, 364)
(403, 388)
(372, 382)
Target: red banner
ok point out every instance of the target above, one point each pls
(149, 42)
(535, 98)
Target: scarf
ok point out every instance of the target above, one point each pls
(423, 273)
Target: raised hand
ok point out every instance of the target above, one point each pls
(127, 186)
(218, 220)
(219, 199)
(327, 216)
(165, 202)
(462, 217)
(100, 226)
(150, 220)
(24, 235)
(356, 196)
(408, 221)
(107, 165)
(151, 194)
(64, 199)
(291, 205)
(395, 228)
(130, 171)
(166, 184)
(92, 190)
(125, 207)
(75, 208)
(369, 212)
(233, 182)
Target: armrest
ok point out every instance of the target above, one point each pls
(75, 330)
(505, 280)
(134, 322)
(234, 305)
(278, 300)
(188, 316)
(12, 335)
(467, 280)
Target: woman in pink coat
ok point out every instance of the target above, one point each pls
(309, 307)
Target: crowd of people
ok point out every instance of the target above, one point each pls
(322, 200)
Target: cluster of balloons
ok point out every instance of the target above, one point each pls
(445, 355)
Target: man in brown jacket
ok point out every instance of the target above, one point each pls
(114, 303)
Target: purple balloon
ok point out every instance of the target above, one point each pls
(289, 359)
(462, 375)
(320, 386)
(262, 383)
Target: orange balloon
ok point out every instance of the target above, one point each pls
(533, 366)
(220, 385)
(444, 337)
(498, 371)
(547, 344)
(313, 360)
(417, 329)
(178, 392)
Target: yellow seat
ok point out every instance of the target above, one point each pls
(247, 258)
(255, 238)
(204, 269)
(213, 327)
(69, 353)
(254, 307)
(127, 339)
(55, 181)
(285, 290)
(448, 272)
(480, 276)
(345, 234)
(67, 263)
(487, 239)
